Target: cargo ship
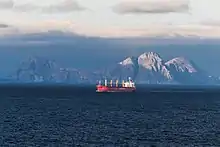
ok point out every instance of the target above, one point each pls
(125, 86)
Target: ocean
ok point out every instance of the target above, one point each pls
(78, 116)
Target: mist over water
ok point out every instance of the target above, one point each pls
(70, 115)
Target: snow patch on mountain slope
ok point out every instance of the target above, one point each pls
(181, 65)
(150, 60)
(127, 61)
(154, 63)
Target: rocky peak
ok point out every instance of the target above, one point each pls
(181, 65)
(128, 61)
(152, 64)
(150, 60)
(41, 69)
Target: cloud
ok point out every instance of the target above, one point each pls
(3, 26)
(6, 4)
(27, 7)
(66, 6)
(62, 7)
(210, 23)
(152, 6)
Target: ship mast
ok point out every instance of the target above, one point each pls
(105, 82)
(123, 83)
(116, 83)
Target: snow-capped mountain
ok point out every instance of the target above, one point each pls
(148, 67)
(122, 70)
(150, 60)
(127, 68)
(180, 64)
(186, 71)
(152, 68)
(128, 61)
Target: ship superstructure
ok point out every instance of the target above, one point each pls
(124, 86)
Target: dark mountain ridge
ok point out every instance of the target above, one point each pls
(148, 68)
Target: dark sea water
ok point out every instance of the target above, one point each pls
(75, 116)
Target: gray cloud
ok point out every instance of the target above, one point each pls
(152, 7)
(66, 6)
(6, 4)
(63, 7)
(211, 23)
(26, 7)
(4, 26)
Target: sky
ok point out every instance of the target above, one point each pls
(112, 18)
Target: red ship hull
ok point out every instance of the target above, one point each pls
(101, 88)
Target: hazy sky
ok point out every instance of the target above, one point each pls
(113, 17)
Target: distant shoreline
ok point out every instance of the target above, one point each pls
(172, 86)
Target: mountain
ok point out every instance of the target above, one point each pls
(126, 68)
(148, 67)
(152, 69)
(187, 72)
(184, 71)
(122, 70)
(180, 64)
(39, 69)
(81, 49)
